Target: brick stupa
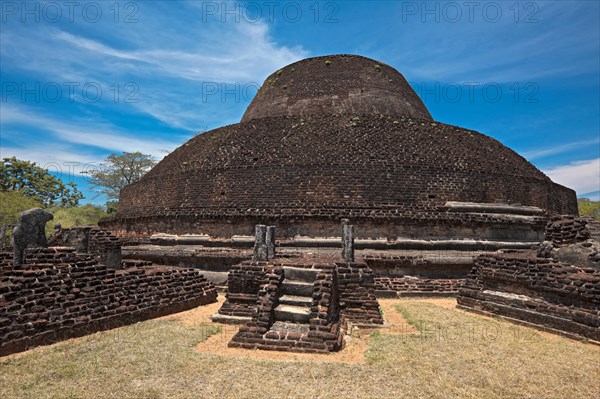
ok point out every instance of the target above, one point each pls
(341, 136)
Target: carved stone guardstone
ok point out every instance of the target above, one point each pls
(30, 232)
(347, 241)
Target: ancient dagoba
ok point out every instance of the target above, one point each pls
(342, 136)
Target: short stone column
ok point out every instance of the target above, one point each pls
(261, 253)
(270, 241)
(347, 241)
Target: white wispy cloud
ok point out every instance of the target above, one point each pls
(56, 157)
(168, 69)
(94, 133)
(463, 51)
(581, 176)
(558, 149)
(250, 55)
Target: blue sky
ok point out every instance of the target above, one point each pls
(82, 80)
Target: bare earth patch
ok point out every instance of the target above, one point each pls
(353, 352)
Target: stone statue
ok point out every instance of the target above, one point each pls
(30, 232)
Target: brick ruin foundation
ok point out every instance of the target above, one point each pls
(60, 293)
(298, 305)
(541, 287)
(436, 209)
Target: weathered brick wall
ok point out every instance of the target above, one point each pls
(328, 323)
(244, 282)
(419, 286)
(356, 285)
(6, 260)
(373, 223)
(538, 291)
(262, 317)
(59, 294)
(372, 167)
(561, 230)
(91, 239)
(413, 275)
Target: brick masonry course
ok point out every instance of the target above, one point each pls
(60, 294)
(404, 174)
(537, 291)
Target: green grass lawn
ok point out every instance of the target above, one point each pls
(454, 355)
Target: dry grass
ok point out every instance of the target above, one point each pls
(453, 355)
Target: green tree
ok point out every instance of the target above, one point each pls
(118, 171)
(33, 181)
(589, 208)
(84, 215)
(111, 206)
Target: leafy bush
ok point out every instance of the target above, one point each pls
(85, 215)
(589, 208)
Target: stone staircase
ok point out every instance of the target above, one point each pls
(297, 310)
(302, 304)
(296, 299)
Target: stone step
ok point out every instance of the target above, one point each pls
(294, 314)
(297, 288)
(226, 319)
(296, 300)
(300, 274)
(282, 326)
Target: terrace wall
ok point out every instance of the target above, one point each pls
(59, 294)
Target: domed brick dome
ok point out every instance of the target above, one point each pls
(330, 138)
(336, 84)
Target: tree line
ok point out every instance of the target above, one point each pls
(25, 185)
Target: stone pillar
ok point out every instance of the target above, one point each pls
(347, 241)
(260, 243)
(270, 241)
